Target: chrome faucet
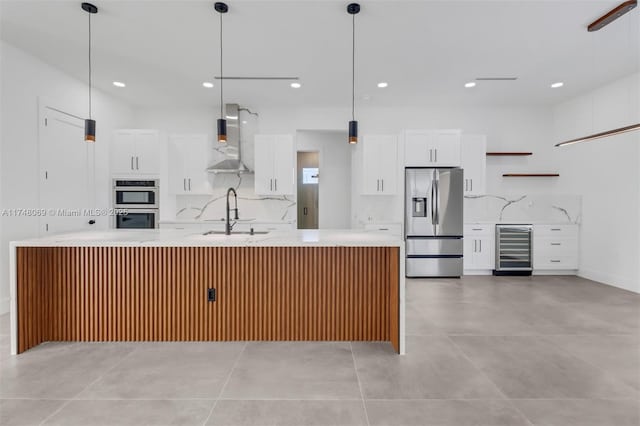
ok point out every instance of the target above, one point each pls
(228, 226)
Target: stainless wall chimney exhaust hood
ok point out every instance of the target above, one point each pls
(233, 163)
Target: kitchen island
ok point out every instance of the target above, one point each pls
(172, 285)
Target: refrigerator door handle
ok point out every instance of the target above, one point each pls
(433, 186)
(436, 200)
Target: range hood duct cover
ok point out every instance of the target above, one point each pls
(233, 163)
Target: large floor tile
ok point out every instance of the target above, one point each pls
(22, 412)
(5, 347)
(134, 413)
(4, 325)
(432, 368)
(444, 413)
(169, 371)
(585, 412)
(294, 370)
(617, 355)
(288, 413)
(477, 289)
(624, 316)
(58, 370)
(447, 318)
(548, 319)
(572, 289)
(531, 367)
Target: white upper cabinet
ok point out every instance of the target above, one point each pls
(474, 163)
(432, 148)
(274, 167)
(380, 164)
(135, 152)
(188, 160)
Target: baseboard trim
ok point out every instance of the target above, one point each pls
(557, 272)
(4, 306)
(613, 280)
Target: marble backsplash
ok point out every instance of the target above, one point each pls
(250, 205)
(523, 208)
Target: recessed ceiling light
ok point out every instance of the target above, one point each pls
(383, 84)
(296, 85)
(244, 121)
(470, 84)
(558, 84)
(207, 84)
(119, 84)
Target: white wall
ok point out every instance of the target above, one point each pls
(24, 80)
(334, 196)
(607, 173)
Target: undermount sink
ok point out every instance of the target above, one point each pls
(236, 233)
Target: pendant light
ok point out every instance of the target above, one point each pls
(353, 9)
(221, 8)
(90, 123)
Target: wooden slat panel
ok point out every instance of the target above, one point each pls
(160, 294)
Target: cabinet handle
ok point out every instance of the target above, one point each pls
(275, 181)
(471, 183)
(480, 242)
(555, 261)
(431, 156)
(131, 163)
(270, 184)
(184, 184)
(189, 184)
(382, 180)
(476, 229)
(137, 165)
(377, 185)
(436, 155)
(556, 229)
(556, 244)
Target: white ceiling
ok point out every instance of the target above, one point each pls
(425, 50)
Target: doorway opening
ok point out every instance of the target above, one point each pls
(329, 153)
(308, 189)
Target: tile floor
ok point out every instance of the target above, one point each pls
(481, 351)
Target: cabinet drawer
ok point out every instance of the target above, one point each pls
(556, 231)
(428, 246)
(555, 247)
(484, 229)
(391, 228)
(555, 262)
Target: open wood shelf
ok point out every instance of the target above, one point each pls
(530, 175)
(505, 154)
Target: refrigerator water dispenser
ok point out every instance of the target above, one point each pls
(419, 207)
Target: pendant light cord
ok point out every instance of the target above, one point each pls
(221, 77)
(90, 82)
(353, 67)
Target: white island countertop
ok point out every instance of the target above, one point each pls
(186, 238)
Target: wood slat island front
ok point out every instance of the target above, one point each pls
(113, 293)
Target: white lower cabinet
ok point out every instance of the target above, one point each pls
(478, 249)
(555, 247)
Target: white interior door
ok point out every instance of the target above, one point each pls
(67, 181)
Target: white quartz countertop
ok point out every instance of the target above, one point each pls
(220, 221)
(184, 238)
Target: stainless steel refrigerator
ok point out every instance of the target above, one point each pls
(433, 222)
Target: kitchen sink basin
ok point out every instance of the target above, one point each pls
(236, 233)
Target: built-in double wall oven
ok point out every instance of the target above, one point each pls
(137, 203)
